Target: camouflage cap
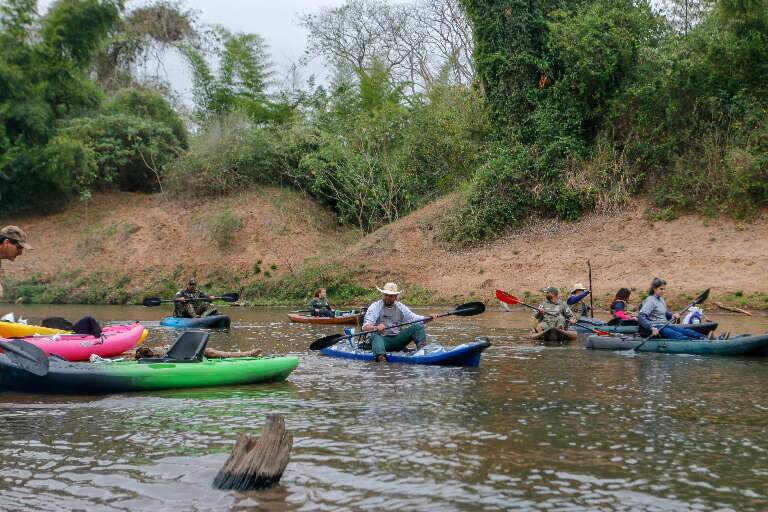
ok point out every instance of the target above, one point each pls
(551, 289)
(16, 234)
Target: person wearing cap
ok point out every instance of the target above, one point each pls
(13, 241)
(187, 303)
(578, 294)
(383, 314)
(552, 312)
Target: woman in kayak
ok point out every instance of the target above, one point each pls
(654, 314)
(619, 305)
(577, 296)
(552, 312)
(319, 305)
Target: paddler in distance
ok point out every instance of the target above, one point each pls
(186, 304)
(13, 241)
(552, 312)
(387, 312)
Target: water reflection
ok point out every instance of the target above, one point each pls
(532, 428)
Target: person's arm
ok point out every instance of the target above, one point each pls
(539, 313)
(371, 314)
(575, 299)
(644, 317)
(618, 312)
(567, 313)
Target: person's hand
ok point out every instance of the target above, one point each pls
(676, 316)
(654, 331)
(211, 297)
(541, 311)
(381, 327)
(182, 299)
(368, 328)
(431, 317)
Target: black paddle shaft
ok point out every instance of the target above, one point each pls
(591, 295)
(596, 331)
(469, 309)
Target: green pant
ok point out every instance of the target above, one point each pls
(383, 344)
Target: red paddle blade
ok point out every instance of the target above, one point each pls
(601, 333)
(507, 298)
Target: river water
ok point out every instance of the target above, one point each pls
(533, 428)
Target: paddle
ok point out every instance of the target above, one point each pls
(26, 356)
(156, 301)
(511, 299)
(591, 300)
(698, 300)
(468, 309)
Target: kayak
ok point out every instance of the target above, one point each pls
(207, 322)
(735, 346)
(467, 354)
(555, 335)
(15, 330)
(338, 320)
(114, 340)
(115, 377)
(632, 326)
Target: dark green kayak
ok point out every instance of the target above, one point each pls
(735, 346)
(115, 377)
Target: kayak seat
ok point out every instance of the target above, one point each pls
(87, 325)
(188, 348)
(57, 322)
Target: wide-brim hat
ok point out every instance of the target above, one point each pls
(577, 287)
(390, 289)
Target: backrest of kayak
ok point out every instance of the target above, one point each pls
(188, 348)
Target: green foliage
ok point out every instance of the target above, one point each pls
(222, 227)
(241, 82)
(57, 140)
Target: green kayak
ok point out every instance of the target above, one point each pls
(114, 377)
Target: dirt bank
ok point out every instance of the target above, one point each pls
(135, 235)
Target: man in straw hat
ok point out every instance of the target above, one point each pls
(13, 241)
(578, 294)
(387, 312)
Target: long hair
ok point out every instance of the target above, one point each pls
(317, 292)
(657, 282)
(621, 296)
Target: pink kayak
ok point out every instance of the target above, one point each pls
(114, 340)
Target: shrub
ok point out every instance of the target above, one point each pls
(222, 228)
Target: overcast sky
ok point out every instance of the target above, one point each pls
(275, 20)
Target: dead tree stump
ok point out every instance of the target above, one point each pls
(257, 463)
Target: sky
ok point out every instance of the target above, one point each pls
(275, 20)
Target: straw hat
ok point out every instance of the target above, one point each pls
(390, 289)
(578, 287)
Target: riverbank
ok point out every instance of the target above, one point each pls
(275, 246)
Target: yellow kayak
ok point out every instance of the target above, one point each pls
(14, 330)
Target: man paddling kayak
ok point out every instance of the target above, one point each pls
(654, 313)
(552, 312)
(387, 312)
(186, 305)
(13, 241)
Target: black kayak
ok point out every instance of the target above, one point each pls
(744, 344)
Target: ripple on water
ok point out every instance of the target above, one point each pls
(532, 428)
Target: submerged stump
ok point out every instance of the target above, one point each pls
(257, 463)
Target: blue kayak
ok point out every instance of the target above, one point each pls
(209, 322)
(467, 354)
